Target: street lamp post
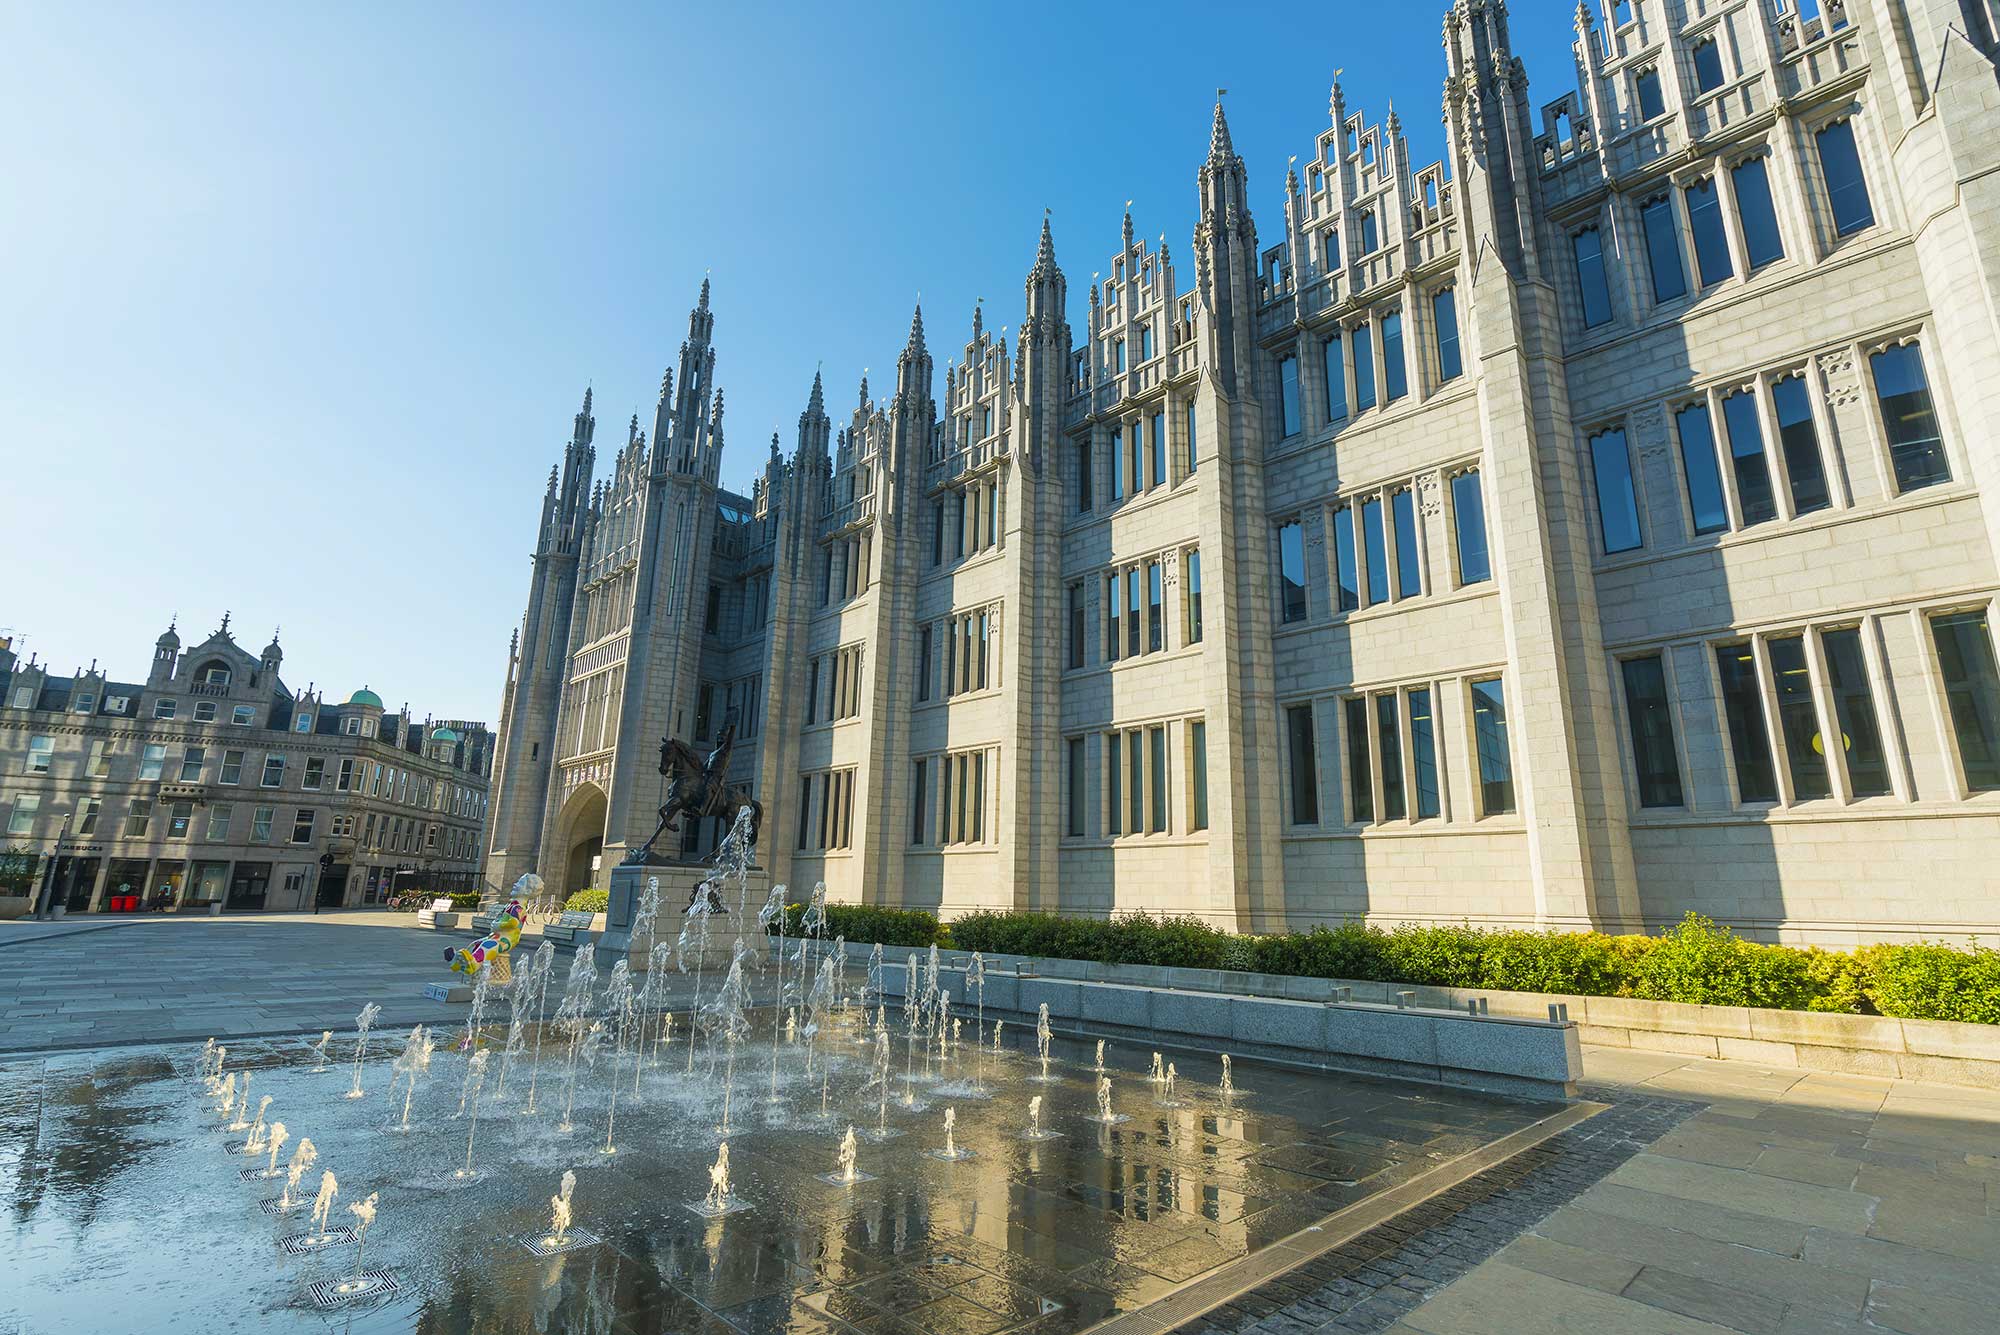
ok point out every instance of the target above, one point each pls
(44, 909)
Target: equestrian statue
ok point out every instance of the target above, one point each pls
(697, 788)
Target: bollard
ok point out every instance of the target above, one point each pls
(1405, 1000)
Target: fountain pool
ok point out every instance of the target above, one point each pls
(125, 1213)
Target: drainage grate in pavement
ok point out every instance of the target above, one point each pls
(328, 1294)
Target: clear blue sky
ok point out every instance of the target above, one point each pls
(301, 299)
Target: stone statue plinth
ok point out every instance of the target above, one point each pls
(677, 886)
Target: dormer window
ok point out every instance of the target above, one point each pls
(215, 676)
(352, 727)
(304, 723)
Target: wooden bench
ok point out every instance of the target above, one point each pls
(564, 930)
(427, 917)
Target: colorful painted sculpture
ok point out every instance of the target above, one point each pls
(504, 935)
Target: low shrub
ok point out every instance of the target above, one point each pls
(1935, 982)
(468, 899)
(1699, 962)
(1696, 961)
(871, 923)
(588, 901)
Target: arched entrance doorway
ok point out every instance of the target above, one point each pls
(580, 836)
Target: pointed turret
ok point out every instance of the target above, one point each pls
(815, 404)
(916, 343)
(1045, 254)
(1220, 150)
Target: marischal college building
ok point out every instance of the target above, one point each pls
(1591, 527)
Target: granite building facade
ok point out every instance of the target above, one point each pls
(213, 782)
(1590, 527)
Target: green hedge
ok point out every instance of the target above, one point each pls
(1696, 961)
(870, 923)
(588, 901)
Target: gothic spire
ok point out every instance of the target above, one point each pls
(1219, 147)
(818, 402)
(1045, 252)
(916, 343)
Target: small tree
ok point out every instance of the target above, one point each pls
(18, 866)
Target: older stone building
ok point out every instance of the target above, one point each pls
(214, 782)
(1593, 526)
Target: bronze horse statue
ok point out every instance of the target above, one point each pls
(697, 788)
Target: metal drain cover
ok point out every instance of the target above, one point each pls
(300, 1244)
(546, 1244)
(328, 1294)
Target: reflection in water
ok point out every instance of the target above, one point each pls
(127, 1214)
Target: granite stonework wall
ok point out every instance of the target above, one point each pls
(1530, 1058)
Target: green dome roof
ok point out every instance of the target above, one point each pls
(364, 696)
(443, 735)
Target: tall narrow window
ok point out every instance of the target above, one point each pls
(1156, 760)
(1798, 718)
(1711, 237)
(1075, 626)
(1111, 614)
(1972, 689)
(805, 812)
(1376, 543)
(1360, 777)
(1192, 596)
(1083, 500)
(1156, 625)
(1389, 746)
(1132, 611)
(937, 519)
(1114, 783)
(1117, 463)
(1707, 55)
(1699, 466)
(1663, 249)
(1158, 462)
(1652, 722)
(1444, 319)
(1336, 378)
(1617, 503)
(1135, 784)
(1292, 570)
(1854, 710)
(1743, 708)
(1916, 447)
(1396, 378)
(1137, 458)
(1846, 187)
(1423, 753)
(1077, 796)
(1194, 454)
(1762, 242)
(1343, 558)
(1288, 394)
(1363, 344)
(1748, 464)
(1468, 517)
(1489, 736)
(1805, 469)
(1409, 566)
(1197, 774)
(1371, 235)
(1646, 87)
(1304, 765)
(1587, 247)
